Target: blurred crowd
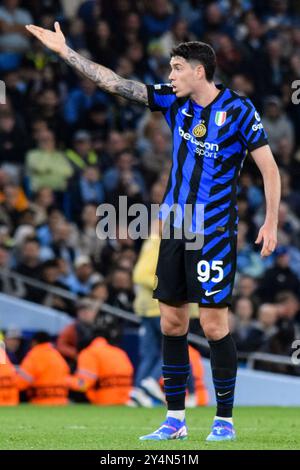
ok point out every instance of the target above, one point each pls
(66, 147)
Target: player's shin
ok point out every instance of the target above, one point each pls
(224, 368)
(175, 370)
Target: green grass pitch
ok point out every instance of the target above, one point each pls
(110, 428)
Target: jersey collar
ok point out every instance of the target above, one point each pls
(219, 95)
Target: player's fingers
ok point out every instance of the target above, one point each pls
(37, 34)
(265, 252)
(264, 247)
(259, 237)
(33, 28)
(57, 27)
(267, 248)
(272, 245)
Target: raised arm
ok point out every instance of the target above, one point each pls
(104, 77)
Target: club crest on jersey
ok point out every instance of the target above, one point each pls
(199, 130)
(220, 117)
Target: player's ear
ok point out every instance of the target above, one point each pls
(200, 72)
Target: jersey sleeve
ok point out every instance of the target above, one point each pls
(251, 128)
(160, 97)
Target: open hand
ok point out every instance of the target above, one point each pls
(54, 40)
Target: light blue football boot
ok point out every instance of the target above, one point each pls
(221, 431)
(171, 428)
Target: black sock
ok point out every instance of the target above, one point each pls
(223, 358)
(176, 368)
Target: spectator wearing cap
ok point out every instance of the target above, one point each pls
(78, 334)
(82, 154)
(84, 277)
(279, 278)
(276, 123)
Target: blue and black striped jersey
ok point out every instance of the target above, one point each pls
(209, 147)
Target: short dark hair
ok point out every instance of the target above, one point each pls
(41, 337)
(200, 52)
(50, 263)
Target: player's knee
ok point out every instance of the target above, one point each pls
(172, 327)
(213, 331)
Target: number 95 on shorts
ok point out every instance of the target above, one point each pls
(203, 276)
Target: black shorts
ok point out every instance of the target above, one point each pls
(204, 276)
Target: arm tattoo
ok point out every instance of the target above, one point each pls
(107, 79)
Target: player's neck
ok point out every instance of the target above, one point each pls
(206, 94)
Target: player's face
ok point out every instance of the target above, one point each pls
(184, 77)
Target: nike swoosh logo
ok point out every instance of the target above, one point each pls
(222, 394)
(168, 378)
(186, 114)
(212, 293)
